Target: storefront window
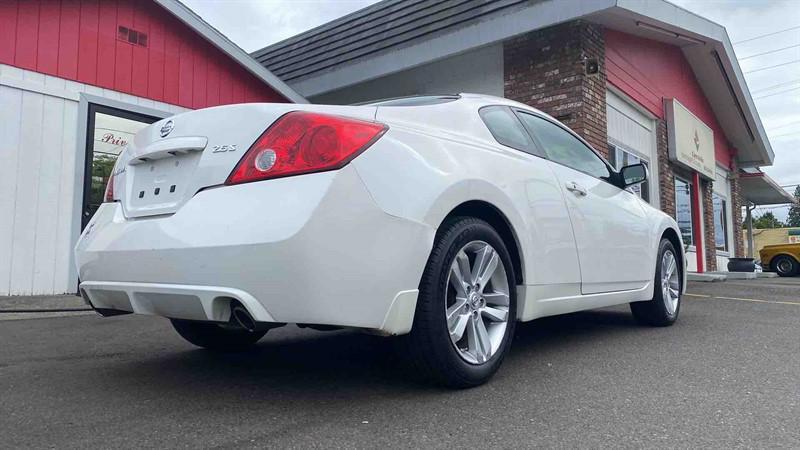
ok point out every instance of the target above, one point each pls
(620, 158)
(683, 209)
(109, 132)
(720, 222)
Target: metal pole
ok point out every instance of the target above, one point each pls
(750, 230)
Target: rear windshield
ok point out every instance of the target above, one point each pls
(421, 100)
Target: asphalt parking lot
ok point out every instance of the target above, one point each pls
(726, 375)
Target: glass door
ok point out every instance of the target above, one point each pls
(109, 131)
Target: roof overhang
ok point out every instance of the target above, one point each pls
(218, 40)
(704, 43)
(758, 188)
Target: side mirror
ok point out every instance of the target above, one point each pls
(633, 174)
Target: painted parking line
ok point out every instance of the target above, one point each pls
(738, 299)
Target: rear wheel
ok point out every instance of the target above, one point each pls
(662, 310)
(216, 337)
(785, 266)
(466, 310)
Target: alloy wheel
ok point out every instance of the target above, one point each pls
(670, 282)
(477, 302)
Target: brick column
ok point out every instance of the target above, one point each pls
(666, 177)
(546, 69)
(737, 203)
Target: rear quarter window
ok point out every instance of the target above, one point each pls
(506, 128)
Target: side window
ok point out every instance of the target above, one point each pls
(506, 128)
(564, 148)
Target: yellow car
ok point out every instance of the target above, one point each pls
(781, 258)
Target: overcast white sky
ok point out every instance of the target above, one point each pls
(253, 24)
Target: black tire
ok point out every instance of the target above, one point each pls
(428, 346)
(655, 312)
(785, 266)
(215, 337)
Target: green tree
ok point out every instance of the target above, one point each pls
(767, 220)
(794, 212)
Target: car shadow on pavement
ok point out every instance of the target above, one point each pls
(342, 361)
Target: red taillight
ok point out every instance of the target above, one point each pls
(109, 197)
(304, 142)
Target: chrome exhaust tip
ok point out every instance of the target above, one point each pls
(243, 318)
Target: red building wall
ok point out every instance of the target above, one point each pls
(78, 40)
(651, 71)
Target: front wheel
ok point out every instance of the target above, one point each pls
(466, 310)
(785, 266)
(662, 310)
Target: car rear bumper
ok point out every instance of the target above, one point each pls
(311, 249)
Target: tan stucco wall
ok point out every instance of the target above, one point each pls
(771, 236)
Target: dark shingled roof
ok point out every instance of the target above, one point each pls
(370, 30)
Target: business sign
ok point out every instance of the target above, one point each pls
(691, 142)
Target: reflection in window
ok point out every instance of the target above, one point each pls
(505, 127)
(720, 222)
(683, 209)
(564, 148)
(111, 134)
(621, 158)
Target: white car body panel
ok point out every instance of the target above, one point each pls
(348, 247)
(611, 233)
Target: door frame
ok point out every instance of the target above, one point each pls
(94, 108)
(79, 168)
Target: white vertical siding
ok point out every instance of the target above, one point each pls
(66, 233)
(48, 183)
(41, 177)
(629, 132)
(634, 131)
(10, 124)
(27, 193)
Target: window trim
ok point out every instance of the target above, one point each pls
(642, 159)
(675, 178)
(614, 176)
(724, 189)
(534, 150)
(725, 231)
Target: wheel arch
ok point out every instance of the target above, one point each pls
(671, 235)
(778, 255)
(494, 216)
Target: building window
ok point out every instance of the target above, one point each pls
(720, 222)
(620, 158)
(132, 36)
(683, 209)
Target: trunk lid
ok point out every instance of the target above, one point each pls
(171, 160)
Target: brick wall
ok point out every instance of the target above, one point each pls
(737, 202)
(666, 179)
(545, 69)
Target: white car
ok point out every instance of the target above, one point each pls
(445, 219)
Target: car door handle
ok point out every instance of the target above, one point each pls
(576, 189)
